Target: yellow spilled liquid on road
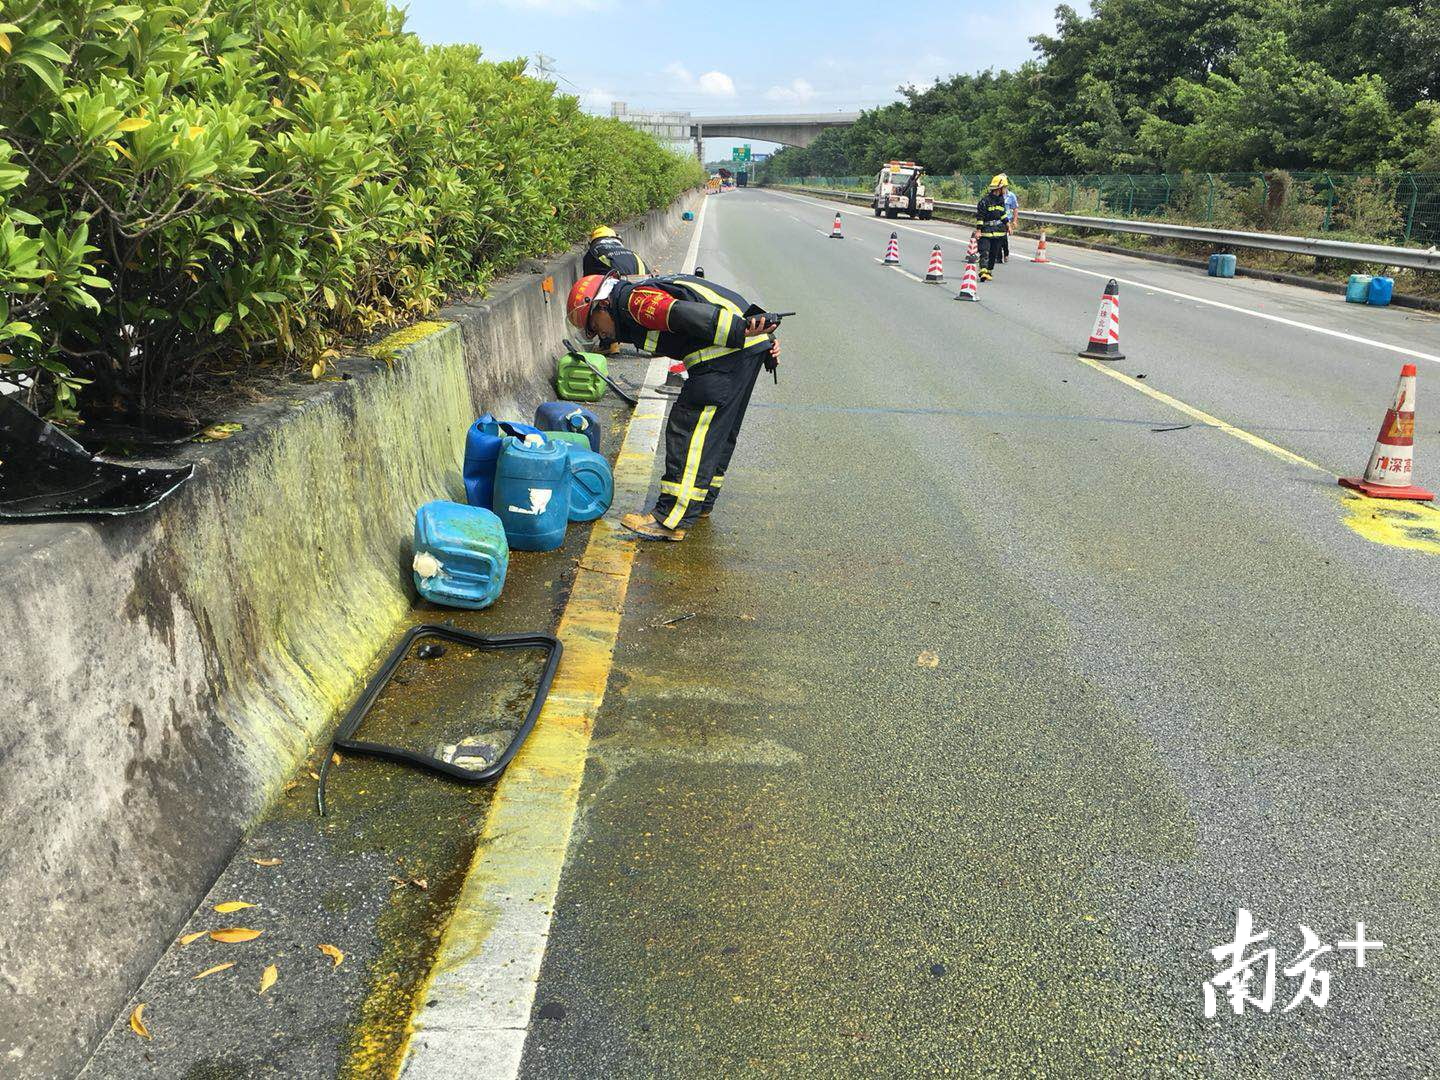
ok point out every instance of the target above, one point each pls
(1411, 525)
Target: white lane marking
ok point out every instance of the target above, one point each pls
(693, 251)
(1402, 350)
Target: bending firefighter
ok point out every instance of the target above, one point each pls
(607, 253)
(723, 340)
(991, 222)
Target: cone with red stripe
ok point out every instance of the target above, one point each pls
(974, 248)
(1391, 472)
(936, 273)
(674, 378)
(970, 280)
(835, 233)
(1040, 256)
(892, 250)
(1104, 343)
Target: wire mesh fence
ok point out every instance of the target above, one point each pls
(1396, 208)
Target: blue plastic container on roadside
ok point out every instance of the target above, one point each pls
(592, 486)
(461, 555)
(1221, 265)
(532, 492)
(482, 448)
(567, 416)
(1380, 291)
(1357, 289)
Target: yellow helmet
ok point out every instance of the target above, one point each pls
(602, 230)
(999, 180)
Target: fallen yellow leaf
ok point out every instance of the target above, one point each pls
(316, 370)
(137, 1024)
(268, 977)
(927, 659)
(334, 954)
(196, 936)
(314, 775)
(267, 862)
(233, 935)
(217, 967)
(232, 905)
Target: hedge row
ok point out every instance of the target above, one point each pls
(201, 185)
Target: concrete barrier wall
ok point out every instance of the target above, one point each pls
(161, 676)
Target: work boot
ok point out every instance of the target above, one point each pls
(646, 527)
(985, 275)
(613, 349)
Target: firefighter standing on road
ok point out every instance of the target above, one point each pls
(723, 341)
(990, 223)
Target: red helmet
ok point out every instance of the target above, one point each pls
(582, 296)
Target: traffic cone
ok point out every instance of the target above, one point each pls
(674, 379)
(1040, 256)
(970, 280)
(974, 248)
(1104, 343)
(936, 274)
(835, 233)
(892, 250)
(1391, 471)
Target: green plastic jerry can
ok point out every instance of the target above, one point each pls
(579, 438)
(576, 382)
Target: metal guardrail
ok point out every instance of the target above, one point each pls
(1385, 255)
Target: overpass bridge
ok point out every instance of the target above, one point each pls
(795, 129)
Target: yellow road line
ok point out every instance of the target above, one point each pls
(1204, 417)
(471, 1018)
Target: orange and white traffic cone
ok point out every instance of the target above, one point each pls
(974, 248)
(970, 280)
(674, 379)
(1391, 472)
(892, 250)
(1040, 256)
(835, 233)
(1104, 343)
(936, 274)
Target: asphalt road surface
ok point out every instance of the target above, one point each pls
(1005, 691)
(998, 685)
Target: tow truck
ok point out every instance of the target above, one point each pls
(900, 189)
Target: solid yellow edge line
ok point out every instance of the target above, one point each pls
(1204, 417)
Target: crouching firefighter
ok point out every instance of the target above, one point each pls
(722, 339)
(607, 254)
(992, 223)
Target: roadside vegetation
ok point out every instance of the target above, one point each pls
(193, 191)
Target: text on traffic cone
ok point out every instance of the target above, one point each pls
(1391, 471)
(1104, 343)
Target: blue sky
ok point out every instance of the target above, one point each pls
(742, 55)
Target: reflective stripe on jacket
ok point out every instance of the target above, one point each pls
(684, 317)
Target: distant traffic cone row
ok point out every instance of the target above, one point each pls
(892, 250)
(1104, 343)
(936, 273)
(835, 233)
(1391, 471)
(1040, 256)
(970, 281)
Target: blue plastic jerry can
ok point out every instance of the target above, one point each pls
(532, 492)
(1357, 289)
(482, 448)
(567, 416)
(1222, 265)
(460, 555)
(592, 486)
(1380, 291)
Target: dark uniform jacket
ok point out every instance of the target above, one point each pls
(609, 254)
(683, 317)
(990, 214)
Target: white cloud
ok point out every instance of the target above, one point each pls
(799, 91)
(717, 84)
(711, 84)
